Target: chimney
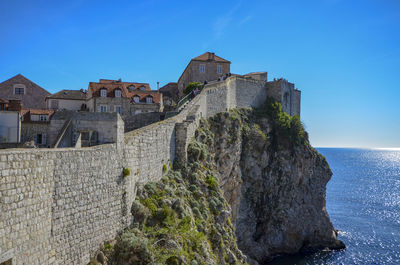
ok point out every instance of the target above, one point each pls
(211, 56)
(14, 104)
(158, 85)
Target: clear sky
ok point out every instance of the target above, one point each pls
(343, 55)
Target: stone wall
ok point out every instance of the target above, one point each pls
(59, 205)
(30, 129)
(133, 122)
(284, 92)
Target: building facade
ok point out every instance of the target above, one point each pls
(21, 88)
(126, 98)
(67, 100)
(204, 68)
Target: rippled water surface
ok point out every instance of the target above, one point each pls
(363, 202)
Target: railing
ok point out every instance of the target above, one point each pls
(62, 132)
(183, 101)
(187, 98)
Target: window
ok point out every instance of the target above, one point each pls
(131, 87)
(103, 108)
(43, 117)
(103, 93)
(149, 99)
(19, 90)
(85, 136)
(117, 93)
(54, 103)
(118, 109)
(142, 88)
(40, 138)
(136, 99)
(219, 69)
(202, 68)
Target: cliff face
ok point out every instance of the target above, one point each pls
(252, 185)
(274, 181)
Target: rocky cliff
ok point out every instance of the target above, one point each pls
(274, 181)
(252, 182)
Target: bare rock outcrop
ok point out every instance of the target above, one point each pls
(274, 181)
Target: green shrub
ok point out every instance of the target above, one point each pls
(164, 168)
(131, 249)
(191, 87)
(126, 172)
(139, 212)
(148, 202)
(285, 125)
(212, 182)
(197, 151)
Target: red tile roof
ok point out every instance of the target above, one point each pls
(26, 113)
(144, 94)
(210, 56)
(125, 87)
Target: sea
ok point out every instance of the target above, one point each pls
(363, 202)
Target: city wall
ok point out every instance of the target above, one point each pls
(59, 205)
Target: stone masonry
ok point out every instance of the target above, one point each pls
(59, 205)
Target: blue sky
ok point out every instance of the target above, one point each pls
(343, 55)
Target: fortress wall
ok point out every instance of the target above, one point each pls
(249, 93)
(59, 205)
(26, 188)
(216, 98)
(88, 202)
(296, 101)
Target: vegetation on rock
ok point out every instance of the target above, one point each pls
(181, 219)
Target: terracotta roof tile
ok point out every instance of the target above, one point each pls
(128, 89)
(143, 94)
(208, 56)
(26, 113)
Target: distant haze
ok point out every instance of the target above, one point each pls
(343, 55)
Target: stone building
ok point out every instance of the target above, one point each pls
(35, 126)
(10, 121)
(30, 94)
(206, 67)
(83, 129)
(170, 94)
(126, 98)
(67, 100)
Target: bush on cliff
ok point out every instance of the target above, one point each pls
(178, 219)
(284, 125)
(132, 250)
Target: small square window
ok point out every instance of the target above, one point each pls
(103, 108)
(19, 91)
(103, 93)
(118, 109)
(202, 68)
(149, 100)
(136, 99)
(219, 69)
(43, 118)
(117, 93)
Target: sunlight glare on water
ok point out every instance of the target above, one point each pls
(363, 202)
